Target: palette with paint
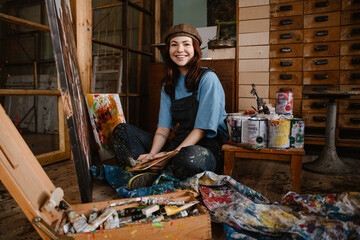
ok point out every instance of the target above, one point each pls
(39, 199)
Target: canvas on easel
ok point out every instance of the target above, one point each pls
(105, 113)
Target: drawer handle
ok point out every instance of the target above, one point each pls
(285, 76)
(355, 31)
(286, 36)
(322, 4)
(355, 15)
(355, 46)
(355, 61)
(355, 106)
(321, 62)
(321, 19)
(321, 76)
(286, 8)
(285, 63)
(319, 119)
(318, 105)
(286, 22)
(285, 49)
(321, 33)
(355, 120)
(355, 75)
(321, 47)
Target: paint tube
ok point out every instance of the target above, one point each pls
(121, 213)
(78, 222)
(148, 211)
(195, 212)
(181, 214)
(124, 220)
(112, 222)
(93, 215)
(102, 218)
(171, 210)
(66, 228)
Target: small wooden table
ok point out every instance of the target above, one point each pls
(294, 156)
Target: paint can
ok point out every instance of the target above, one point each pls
(284, 101)
(279, 132)
(256, 131)
(297, 133)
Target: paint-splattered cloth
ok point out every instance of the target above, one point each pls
(247, 214)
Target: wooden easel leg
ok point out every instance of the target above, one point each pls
(296, 166)
(229, 162)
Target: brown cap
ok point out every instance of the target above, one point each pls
(183, 29)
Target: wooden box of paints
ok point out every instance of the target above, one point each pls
(45, 207)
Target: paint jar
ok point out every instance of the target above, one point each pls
(297, 133)
(256, 131)
(284, 101)
(279, 132)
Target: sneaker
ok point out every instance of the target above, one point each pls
(142, 180)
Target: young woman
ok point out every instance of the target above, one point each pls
(191, 98)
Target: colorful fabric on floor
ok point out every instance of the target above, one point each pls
(248, 214)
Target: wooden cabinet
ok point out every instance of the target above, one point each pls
(225, 70)
(312, 44)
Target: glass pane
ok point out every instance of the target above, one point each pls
(139, 25)
(36, 118)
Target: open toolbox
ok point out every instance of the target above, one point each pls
(39, 199)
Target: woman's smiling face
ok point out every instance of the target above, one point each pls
(181, 51)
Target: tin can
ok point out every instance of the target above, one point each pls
(279, 132)
(284, 101)
(256, 131)
(297, 133)
(236, 129)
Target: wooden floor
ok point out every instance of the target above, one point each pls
(272, 179)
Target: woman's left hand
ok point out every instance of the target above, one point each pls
(160, 166)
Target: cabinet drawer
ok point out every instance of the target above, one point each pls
(250, 3)
(286, 23)
(254, 65)
(314, 119)
(285, 78)
(351, 87)
(350, 62)
(289, 50)
(297, 90)
(286, 9)
(251, 39)
(314, 105)
(322, 34)
(320, 6)
(261, 78)
(350, 48)
(254, 52)
(322, 20)
(349, 106)
(253, 26)
(350, 77)
(287, 36)
(349, 121)
(254, 12)
(319, 64)
(321, 49)
(321, 78)
(350, 4)
(296, 106)
(286, 64)
(350, 32)
(350, 17)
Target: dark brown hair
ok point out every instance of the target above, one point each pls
(172, 72)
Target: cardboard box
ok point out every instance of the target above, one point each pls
(31, 188)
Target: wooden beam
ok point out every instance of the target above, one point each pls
(157, 29)
(84, 43)
(23, 22)
(29, 92)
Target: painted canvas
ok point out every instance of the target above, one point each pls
(105, 113)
